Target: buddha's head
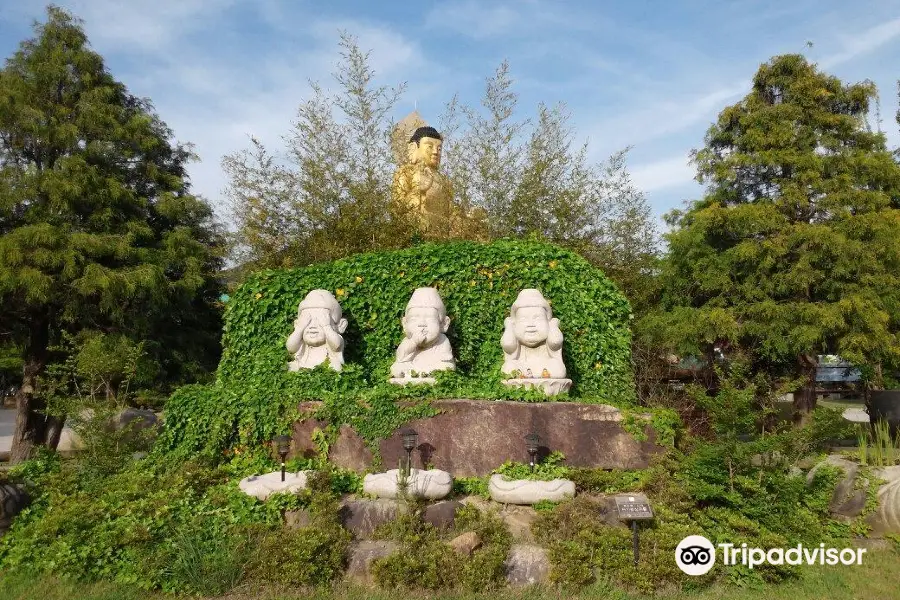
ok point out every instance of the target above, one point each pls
(531, 315)
(425, 147)
(426, 318)
(317, 311)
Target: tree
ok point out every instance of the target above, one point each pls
(794, 250)
(532, 179)
(330, 197)
(98, 229)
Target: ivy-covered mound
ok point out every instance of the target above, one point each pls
(254, 394)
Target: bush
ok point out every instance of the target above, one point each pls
(303, 556)
(206, 558)
(179, 527)
(547, 469)
(255, 396)
(425, 561)
(720, 490)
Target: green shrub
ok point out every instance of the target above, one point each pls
(602, 481)
(206, 558)
(471, 486)
(255, 397)
(166, 525)
(723, 491)
(425, 561)
(303, 556)
(547, 469)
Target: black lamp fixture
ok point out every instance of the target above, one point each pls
(409, 437)
(284, 444)
(532, 443)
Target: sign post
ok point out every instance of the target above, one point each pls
(634, 508)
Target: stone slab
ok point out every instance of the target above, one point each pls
(362, 516)
(432, 484)
(263, 486)
(474, 437)
(524, 491)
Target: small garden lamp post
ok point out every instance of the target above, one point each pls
(532, 443)
(284, 444)
(409, 437)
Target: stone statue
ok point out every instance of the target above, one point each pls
(532, 344)
(317, 333)
(425, 348)
(421, 188)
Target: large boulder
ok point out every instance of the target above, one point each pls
(849, 497)
(886, 518)
(13, 499)
(527, 565)
(473, 437)
(363, 554)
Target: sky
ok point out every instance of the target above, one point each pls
(651, 76)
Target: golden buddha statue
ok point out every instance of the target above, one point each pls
(422, 189)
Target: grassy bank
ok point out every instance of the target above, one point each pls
(878, 578)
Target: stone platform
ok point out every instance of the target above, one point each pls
(474, 437)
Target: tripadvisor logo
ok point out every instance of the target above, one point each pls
(696, 555)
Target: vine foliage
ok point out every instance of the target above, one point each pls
(255, 397)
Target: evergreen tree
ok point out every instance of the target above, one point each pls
(794, 251)
(98, 230)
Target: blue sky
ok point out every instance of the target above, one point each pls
(651, 75)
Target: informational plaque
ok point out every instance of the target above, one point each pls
(633, 507)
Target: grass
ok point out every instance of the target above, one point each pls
(878, 578)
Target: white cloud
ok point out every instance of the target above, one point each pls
(477, 19)
(135, 25)
(863, 42)
(661, 174)
(651, 119)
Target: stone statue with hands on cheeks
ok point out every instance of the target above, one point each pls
(317, 333)
(425, 347)
(532, 343)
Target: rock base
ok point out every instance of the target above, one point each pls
(473, 437)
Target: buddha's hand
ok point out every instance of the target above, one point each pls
(301, 322)
(333, 338)
(406, 349)
(424, 178)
